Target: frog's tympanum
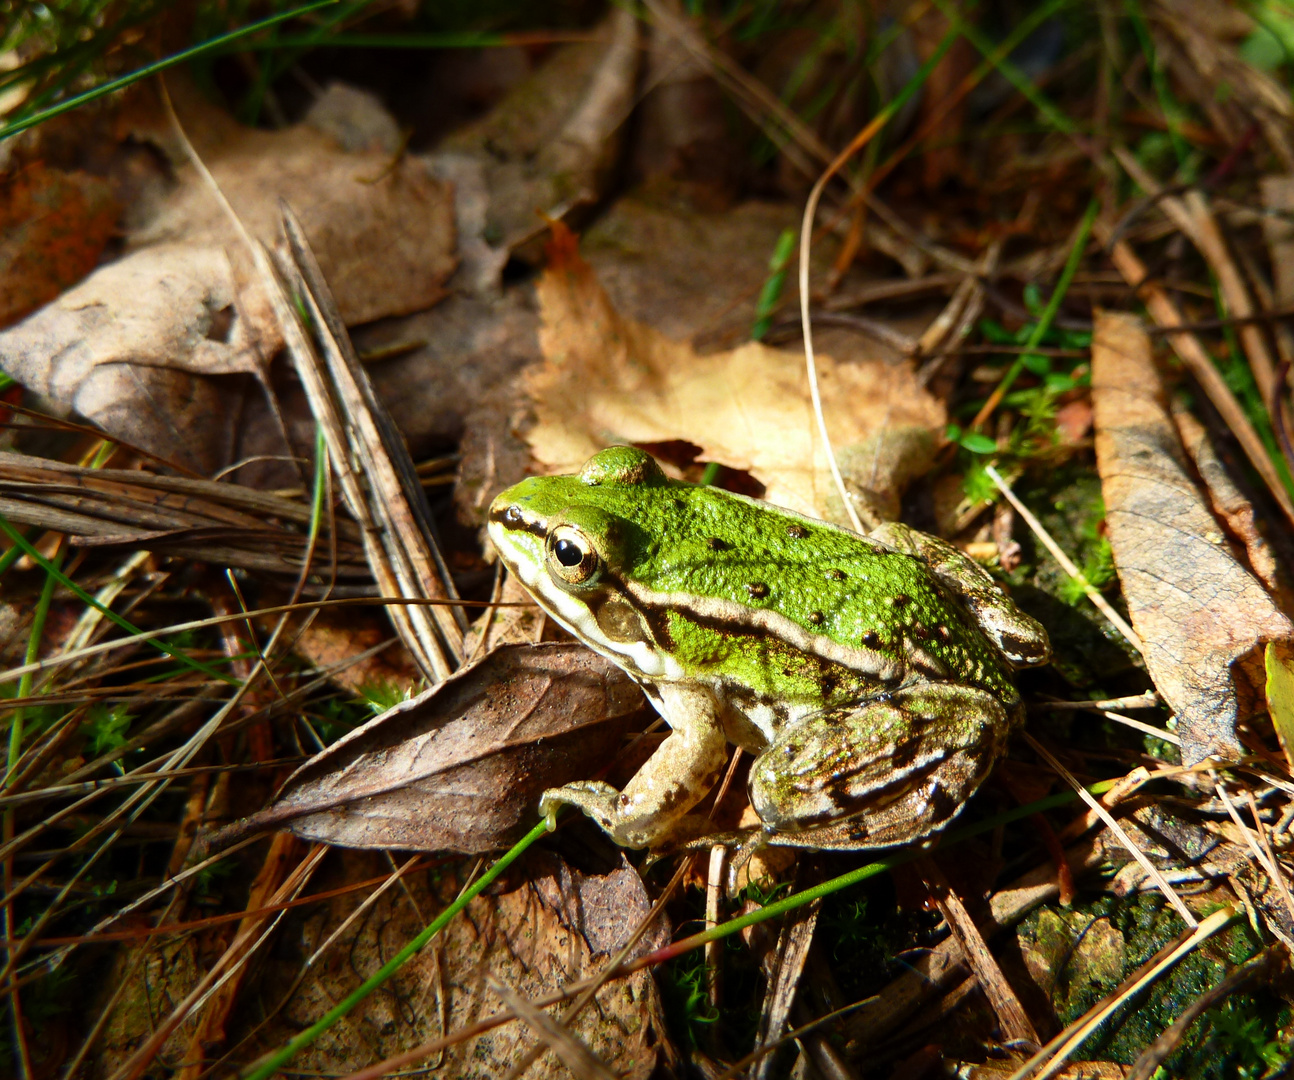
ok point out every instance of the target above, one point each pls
(870, 675)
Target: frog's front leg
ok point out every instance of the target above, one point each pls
(886, 771)
(672, 781)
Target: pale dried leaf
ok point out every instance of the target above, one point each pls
(1202, 616)
(608, 379)
(381, 227)
(131, 347)
(461, 766)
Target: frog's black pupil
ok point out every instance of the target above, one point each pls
(568, 552)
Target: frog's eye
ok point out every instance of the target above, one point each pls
(571, 556)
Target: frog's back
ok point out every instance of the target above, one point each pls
(746, 567)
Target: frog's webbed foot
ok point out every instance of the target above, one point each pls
(888, 771)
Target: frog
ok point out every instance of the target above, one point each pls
(869, 676)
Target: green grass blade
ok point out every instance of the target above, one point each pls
(185, 55)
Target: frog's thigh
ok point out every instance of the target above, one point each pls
(672, 781)
(898, 767)
(1020, 637)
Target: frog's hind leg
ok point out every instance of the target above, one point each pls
(887, 771)
(1020, 638)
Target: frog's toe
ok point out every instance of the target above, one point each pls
(596, 798)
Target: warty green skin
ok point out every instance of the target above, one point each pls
(869, 673)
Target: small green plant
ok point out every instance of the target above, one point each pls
(1243, 1037)
(383, 694)
(105, 729)
(686, 1001)
(772, 291)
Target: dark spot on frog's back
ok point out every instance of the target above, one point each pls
(716, 544)
(900, 600)
(816, 617)
(797, 532)
(836, 575)
(757, 589)
(871, 639)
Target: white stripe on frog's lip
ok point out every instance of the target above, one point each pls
(638, 657)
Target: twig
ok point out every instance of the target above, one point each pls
(1152, 871)
(1065, 561)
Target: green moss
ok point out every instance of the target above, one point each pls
(1078, 957)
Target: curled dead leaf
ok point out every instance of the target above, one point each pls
(1201, 614)
(136, 346)
(461, 766)
(608, 379)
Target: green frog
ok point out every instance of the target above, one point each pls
(870, 675)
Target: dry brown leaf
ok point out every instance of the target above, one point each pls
(608, 379)
(133, 346)
(1202, 615)
(560, 926)
(54, 226)
(461, 766)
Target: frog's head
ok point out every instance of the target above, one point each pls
(574, 543)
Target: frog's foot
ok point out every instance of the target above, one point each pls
(595, 797)
(889, 771)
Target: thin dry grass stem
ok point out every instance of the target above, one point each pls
(1123, 787)
(1067, 564)
(1262, 855)
(194, 925)
(1138, 725)
(133, 806)
(212, 1008)
(1198, 363)
(106, 1013)
(800, 144)
(1151, 870)
(249, 938)
(615, 967)
(1154, 1055)
(391, 879)
(13, 674)
(572, 1052)
(1192, 216)
(1149, 700)
(713, 902)
(806, 241)
(794, 1035)
(1063, 1046)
